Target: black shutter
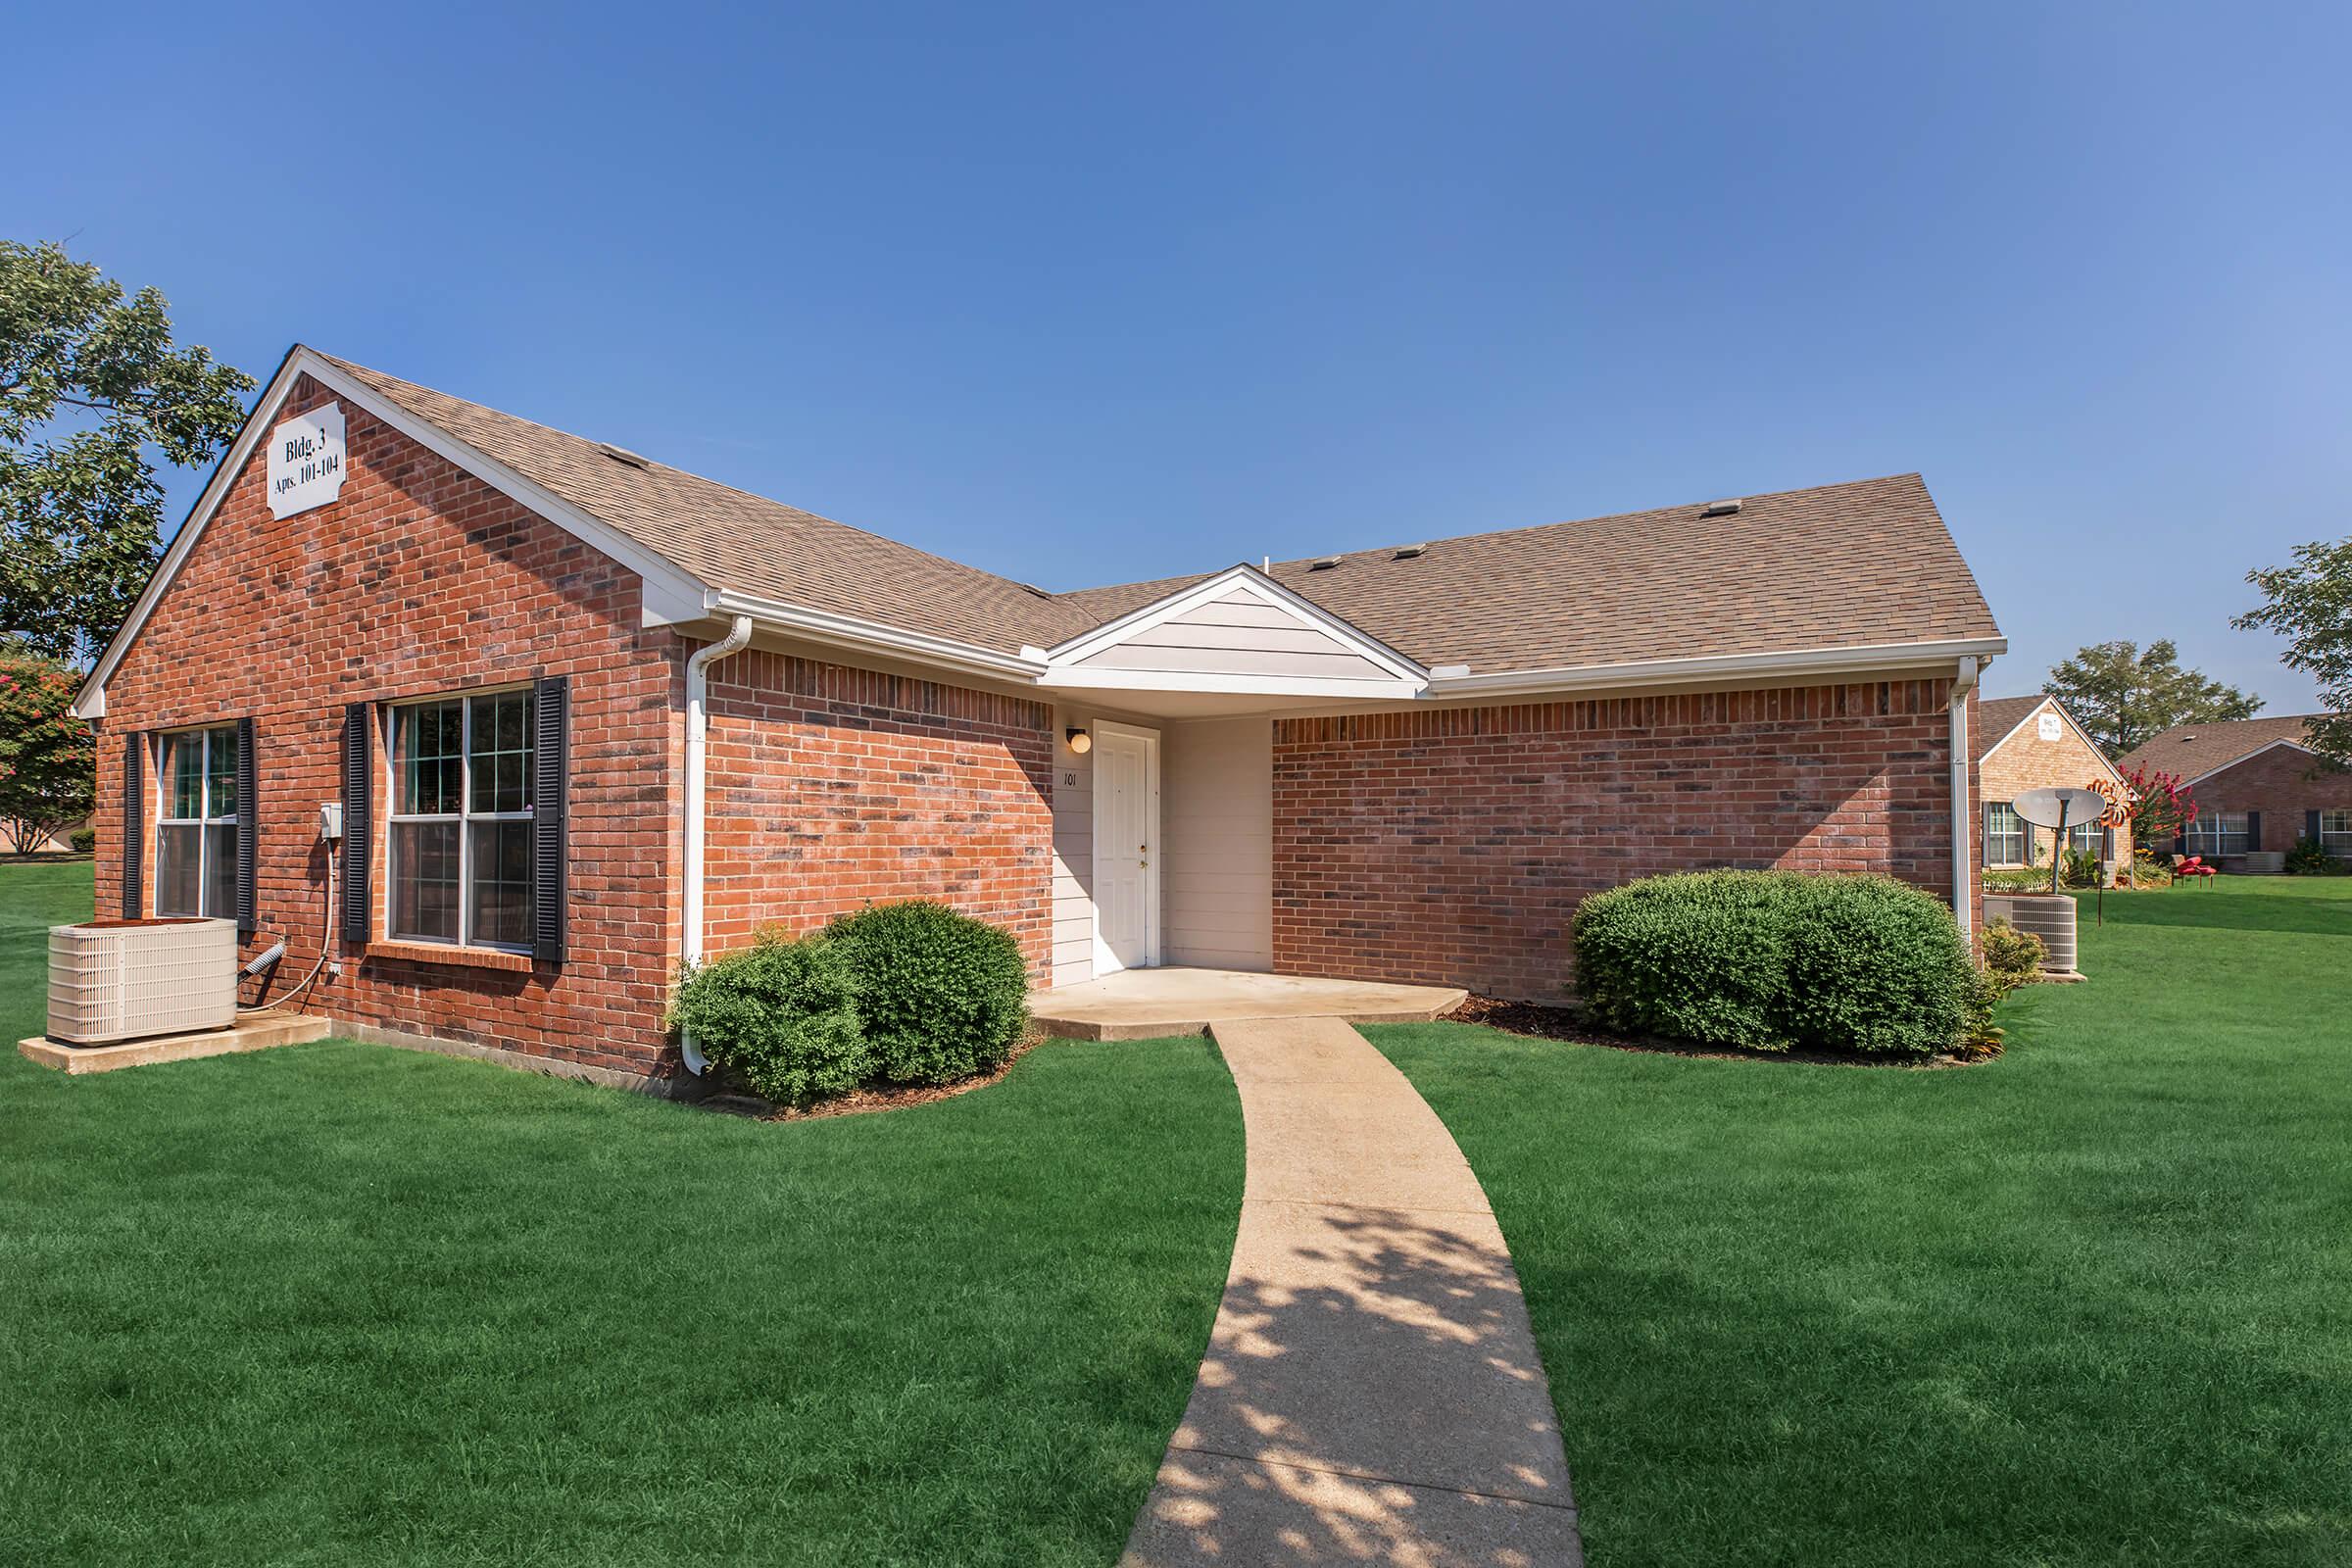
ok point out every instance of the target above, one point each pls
(249, 826)
(359, 816)
(551, 773)
(134, 826)
(2254, 832)
(2311, 826)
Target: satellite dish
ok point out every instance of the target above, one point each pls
(2065, 807)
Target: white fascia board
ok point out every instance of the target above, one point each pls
(1811, 661)
(872, 636)
(2267, 746)
(1177, 680)
(1112, 633)
(671, 594)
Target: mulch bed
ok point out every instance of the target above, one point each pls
(858, 1101)
(1535, 1021)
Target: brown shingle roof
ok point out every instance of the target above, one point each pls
(1845, 565)
(732, 539)
(1840, 566)
(2194, 749)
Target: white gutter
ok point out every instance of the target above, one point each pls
(1799, 661)
(1963, 818)
(872, 635)
(698, 693)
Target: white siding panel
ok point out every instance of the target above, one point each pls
(1333, 665)
(1217, 818)
(1073, 859)
(1240, 633)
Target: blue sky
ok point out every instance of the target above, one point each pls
(1099, 293)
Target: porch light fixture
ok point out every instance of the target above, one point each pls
(1080, 740)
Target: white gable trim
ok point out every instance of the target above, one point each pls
(671, 594)
(1061, 658)
(2068, 718)
(2267, 746)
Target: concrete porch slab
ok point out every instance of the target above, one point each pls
(260, 1033)
(1154, 1003)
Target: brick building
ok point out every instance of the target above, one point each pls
(2259, 787)
(501, 724)
(2031, 743)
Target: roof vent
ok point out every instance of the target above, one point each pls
(1720, 509)
(1030, 587)
(1409, 551)
(1325, 564)
(622, 455)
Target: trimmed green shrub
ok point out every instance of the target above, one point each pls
(83, 840)
(2012, 956)
(2310, 857)
(782, 1015)
(943, 995)
(1774, 960)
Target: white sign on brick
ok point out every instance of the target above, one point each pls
(306, 460)
(2048, 729)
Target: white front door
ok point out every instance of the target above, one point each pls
(1126, 848)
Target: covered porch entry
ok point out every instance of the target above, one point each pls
(1163, 770)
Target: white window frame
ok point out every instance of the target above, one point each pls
(2211, 835)
(465, 816)
(1992, 856)
(2337, 840)
(202, 824)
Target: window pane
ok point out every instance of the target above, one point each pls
(221, 766)
(425, 881)
(221, 872)
(501, 874)
(502, 753)
(426, 760)
(183, 774)
(175, 868)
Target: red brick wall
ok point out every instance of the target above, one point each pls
(831, 787)
(1453, 845)
(420, 580)
(2283, 784)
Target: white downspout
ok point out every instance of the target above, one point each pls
(1963, 824)
(698, 693)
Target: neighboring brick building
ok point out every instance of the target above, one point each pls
(2258, 785)
(583, 717)
(2031, 743)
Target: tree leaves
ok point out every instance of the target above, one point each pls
(2310, 604)
(48, 758)
(2126, 697)
(90, 387)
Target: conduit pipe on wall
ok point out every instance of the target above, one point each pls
(1963, 818)
(698, 695)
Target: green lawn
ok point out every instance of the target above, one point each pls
(338, 1304)
(2087, 1305)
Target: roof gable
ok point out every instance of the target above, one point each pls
(2000, 718)
(670, 594)
(1239, 630)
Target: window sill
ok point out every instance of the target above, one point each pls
(456, 956)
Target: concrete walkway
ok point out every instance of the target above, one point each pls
(1371, 1391)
